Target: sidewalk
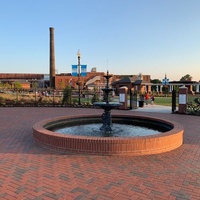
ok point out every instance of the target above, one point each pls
(154, 108)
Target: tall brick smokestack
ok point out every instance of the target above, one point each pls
(52, 59)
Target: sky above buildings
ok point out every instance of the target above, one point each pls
(123, 36)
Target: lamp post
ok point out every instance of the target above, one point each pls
(165, 82)
(79, 86)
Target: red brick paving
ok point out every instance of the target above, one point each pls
(28, 171)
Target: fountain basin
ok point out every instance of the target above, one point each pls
(168, 140)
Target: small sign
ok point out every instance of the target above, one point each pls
(182, 98)
(122, 98)
(83, 70)
(74, 70)
(165, 81)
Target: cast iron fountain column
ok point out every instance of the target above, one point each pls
(107, 106)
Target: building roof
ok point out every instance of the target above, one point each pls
(132, 80)
(124, 80)
(141, 82)
(184, 82)
(21, 76)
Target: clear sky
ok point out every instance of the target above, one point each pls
(123, 36)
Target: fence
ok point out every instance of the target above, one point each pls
(43, 97)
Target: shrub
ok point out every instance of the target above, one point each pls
(2, 101)
(67, 95)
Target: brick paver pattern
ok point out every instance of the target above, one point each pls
(29, 171)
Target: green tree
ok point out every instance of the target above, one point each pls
(154, 81)
(1, 85)
(7, 86)
(2, 101)
(187, 77)
(17, 85)
(61, 85)
(67, 95)
(34, 85)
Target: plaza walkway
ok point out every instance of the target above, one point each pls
(154, 108)
(28, 171)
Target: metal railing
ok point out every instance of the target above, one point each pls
(41, 97)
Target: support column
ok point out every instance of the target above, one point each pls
(170, 88)
(161, 88)
(52, 59)
(123, 97)
(183, 92)
(190, 88)
(197, 88)
(149, 88)
(157, 90)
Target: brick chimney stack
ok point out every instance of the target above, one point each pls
(52, 59)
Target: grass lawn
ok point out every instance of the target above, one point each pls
(164, 101)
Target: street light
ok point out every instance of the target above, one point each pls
(79, 86)
(165, 82)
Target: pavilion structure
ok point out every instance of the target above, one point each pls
(193, 86)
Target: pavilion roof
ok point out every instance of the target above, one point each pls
(125, 80)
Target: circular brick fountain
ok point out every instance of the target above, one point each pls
(171, 136)
(142, 145)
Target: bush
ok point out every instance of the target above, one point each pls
(67, 96)
(2, 101)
